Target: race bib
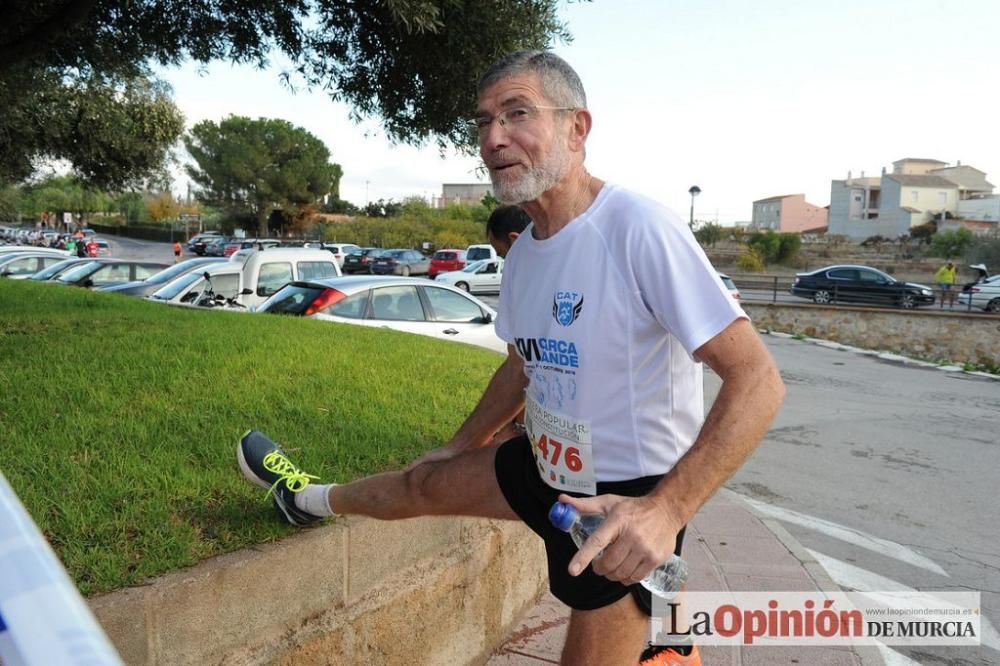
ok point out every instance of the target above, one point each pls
(562, 449)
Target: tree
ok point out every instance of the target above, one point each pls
(709, 234)
(162, 207)
(115, 133)
(951, 244)
(254, 166)
(413, 63)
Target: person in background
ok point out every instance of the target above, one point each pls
(945, 278)
(177, 251)
(503, 227)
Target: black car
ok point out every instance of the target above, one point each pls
(859, 284)
(360, 261)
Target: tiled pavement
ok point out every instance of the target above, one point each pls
(728, 547)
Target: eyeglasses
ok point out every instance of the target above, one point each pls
(512, 117)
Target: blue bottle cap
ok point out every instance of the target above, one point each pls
(562, 516)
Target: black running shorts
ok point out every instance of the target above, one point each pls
(531, 498)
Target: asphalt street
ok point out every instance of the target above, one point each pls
(888, 473)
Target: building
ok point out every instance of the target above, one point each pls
(469, 194)
(788, 213)
(917, 191)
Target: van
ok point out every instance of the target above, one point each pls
(477, 252)
(255, 279)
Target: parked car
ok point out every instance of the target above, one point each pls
(403, 304)
(103, 272)
(446, 260)
(984, 295)
(197, 243)
(250, 283)
(24, 264)
(401, 262)
(730, 285)
(154, 282)
(360, 261)
(6, 249)
(341, 250)
(55, 270)
(479, 277)
(480, 251)
(237, 244)
(216, 247)
(859, 284)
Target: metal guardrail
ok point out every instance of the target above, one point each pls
(778, 289)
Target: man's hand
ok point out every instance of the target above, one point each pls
(638, 534)
(436, 455)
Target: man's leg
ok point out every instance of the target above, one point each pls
(607, 636)
(465, 485)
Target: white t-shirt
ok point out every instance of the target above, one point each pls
(606, 315)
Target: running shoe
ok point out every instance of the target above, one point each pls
(667, 656)
(265, 464)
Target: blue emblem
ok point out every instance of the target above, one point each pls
(566, 307)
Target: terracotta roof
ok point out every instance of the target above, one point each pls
(778, 198)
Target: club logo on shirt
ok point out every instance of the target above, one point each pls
(566, 307)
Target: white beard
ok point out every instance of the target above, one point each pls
(534, 181)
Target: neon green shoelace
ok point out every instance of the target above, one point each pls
(295, 479)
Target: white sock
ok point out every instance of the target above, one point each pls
(315, 499)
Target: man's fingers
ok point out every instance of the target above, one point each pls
(592, 548)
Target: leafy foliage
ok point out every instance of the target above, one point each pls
(115, 133)
(751, 261)
(255, 166)
(950, 244)
(412, 63)
(709, 234)
(773, 247)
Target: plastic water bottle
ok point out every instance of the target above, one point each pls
(664, 581)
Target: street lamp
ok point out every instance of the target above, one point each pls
(694, 191)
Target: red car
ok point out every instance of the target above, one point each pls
(446, 260)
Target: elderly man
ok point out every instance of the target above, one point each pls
(609, 308)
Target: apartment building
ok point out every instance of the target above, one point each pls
(788, 213)
(916, 191)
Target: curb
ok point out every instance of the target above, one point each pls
(881, 355)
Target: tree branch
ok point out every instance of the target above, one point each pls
(37, 39)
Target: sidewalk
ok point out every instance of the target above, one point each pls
(728, 547)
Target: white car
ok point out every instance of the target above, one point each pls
(251, 281)
(341, 250)
(479, 277)
(412, 305)
(984, 295)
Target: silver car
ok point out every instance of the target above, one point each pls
(404, 304)
(984, 295)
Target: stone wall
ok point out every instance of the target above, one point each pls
(948, 335)
(360, 591)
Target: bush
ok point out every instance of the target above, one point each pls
(984, 251)
(709, 234)
(772, 247)
(751, 261)
(950, 244)
(788, 247)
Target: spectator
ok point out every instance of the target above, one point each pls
(945, 278)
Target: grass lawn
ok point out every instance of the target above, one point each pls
(119, 418)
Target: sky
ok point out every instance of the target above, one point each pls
(746, 99)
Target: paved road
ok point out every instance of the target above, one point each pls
(888, 473)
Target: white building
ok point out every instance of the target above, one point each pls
(469, 194)
(917, 191)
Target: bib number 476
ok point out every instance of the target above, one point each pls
(552, 448)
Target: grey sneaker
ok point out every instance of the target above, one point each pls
(265, 464)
